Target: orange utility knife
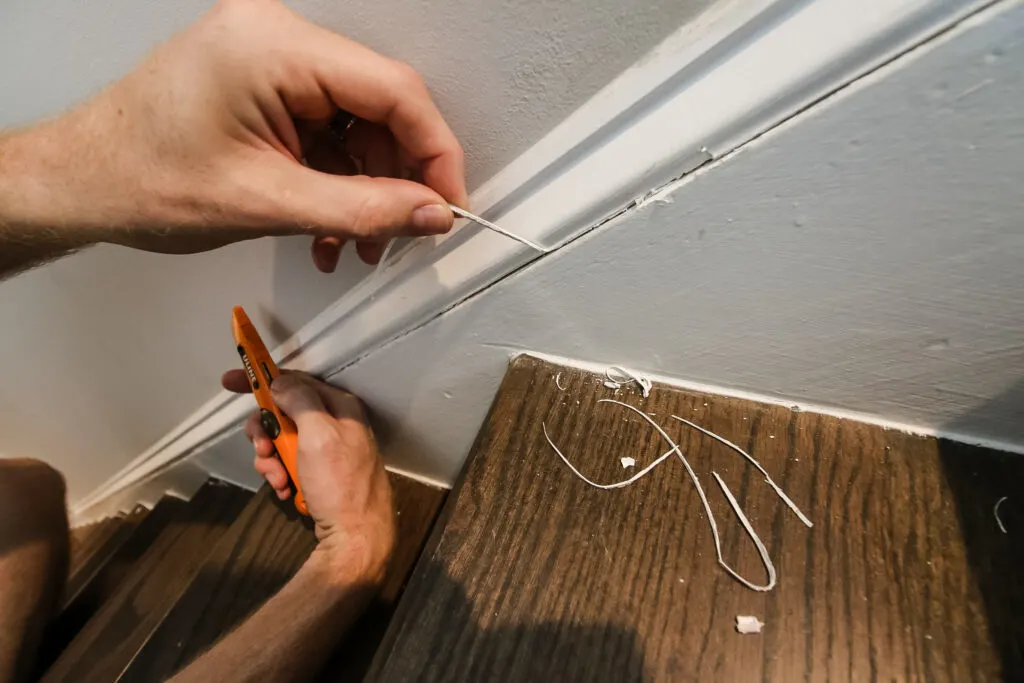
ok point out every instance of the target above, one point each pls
(262, 371)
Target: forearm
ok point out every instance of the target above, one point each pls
(34, 226)
(291, 636)
(79, 179)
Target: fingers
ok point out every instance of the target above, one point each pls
(236, 381)
(385, 91)
(326, 251)
(300, 401)
(299, 392)
(370, 252)
(356, 207)
(375, 146)
(266, 462)
(274, 474)
(337, 402)
(325, 153)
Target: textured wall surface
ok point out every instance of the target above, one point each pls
(105, 351)
(865, 256)
(503, 73)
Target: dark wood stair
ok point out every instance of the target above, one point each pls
(533, 575)
(148, 592)
(529, 574)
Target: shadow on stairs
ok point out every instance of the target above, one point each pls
(148, 592)
(530, 574)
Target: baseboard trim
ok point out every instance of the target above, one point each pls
(802, 406)
(717, 83)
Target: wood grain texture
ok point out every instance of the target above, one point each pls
(533, 575)
(86, 541)
(261, 551)
(416, 508)
(264, 548)
(92, 560)
(96, 577)
(113, 636)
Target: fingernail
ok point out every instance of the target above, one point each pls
(432, 218)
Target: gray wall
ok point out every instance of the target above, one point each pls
(103, 352)
(865, 256)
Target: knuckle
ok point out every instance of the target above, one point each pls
(371, 213)
(407, 79)
(322, 441)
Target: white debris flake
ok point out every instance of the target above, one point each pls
(627, 462)
(745, 624)
(995, 511)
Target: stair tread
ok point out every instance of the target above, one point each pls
(261, 551)
(100, 554)
(87, 540)
(531, 574)
(88, 590)
(149, 588)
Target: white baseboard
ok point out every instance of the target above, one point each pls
(727, 77)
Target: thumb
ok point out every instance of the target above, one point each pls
(356, 207)
(300, 401)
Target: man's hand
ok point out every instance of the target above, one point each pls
(347, 491)
(221, 135)
(340, 470)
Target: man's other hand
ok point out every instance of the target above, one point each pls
(222, 135)
(340, 470)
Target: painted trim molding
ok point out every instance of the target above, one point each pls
(735, 72)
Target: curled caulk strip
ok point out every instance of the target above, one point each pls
(769, 567)
(383, 258)
(617, 376)
(606, 487)
(778, 490)
(995, 512)
(497, 228)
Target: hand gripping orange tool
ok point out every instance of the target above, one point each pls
(262, 371)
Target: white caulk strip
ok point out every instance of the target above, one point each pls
(616, 376)
(700, 492)
(616, 485)
(762, 551)
(755, 463)
(501, 231)
(558, 383)
(745, 624)
(707, 507)
(383, 257)
(995, 511)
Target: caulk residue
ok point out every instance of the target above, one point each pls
(746, 624)
(675, 450)
(616, 377)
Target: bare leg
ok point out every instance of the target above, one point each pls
(33, 560)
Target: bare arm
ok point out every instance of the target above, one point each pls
(349, 498)
(222, 135)
(25, 239)
(292, 635)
